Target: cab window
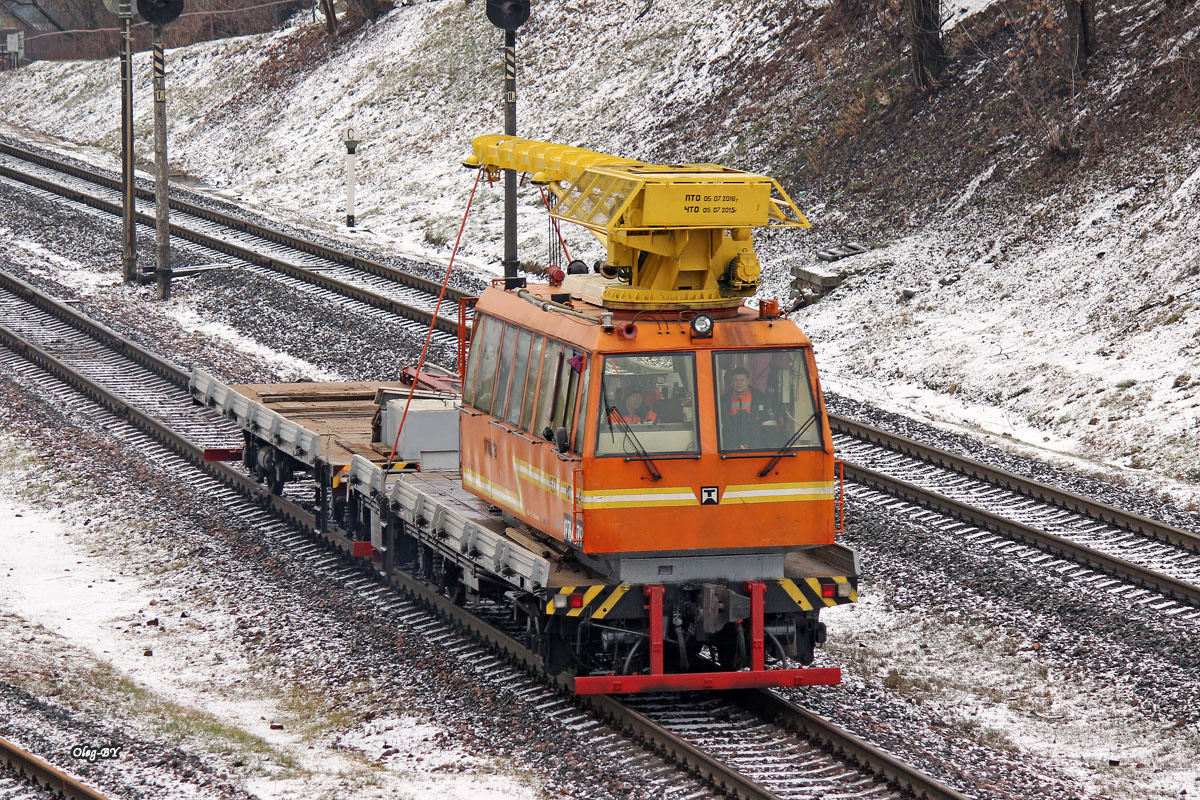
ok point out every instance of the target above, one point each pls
(568, 383)
(473, 362)
(765, 401)
(581, 424)
(647, 403)
(504, 371)
(489, 352)
(547, 385)
(516, 392)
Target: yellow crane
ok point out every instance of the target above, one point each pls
(678, 236)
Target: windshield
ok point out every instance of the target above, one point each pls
(764, 398)
(648, 400)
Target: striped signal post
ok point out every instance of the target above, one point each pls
(508, 15)
(162, 223)
(159, 13)
(510, 175)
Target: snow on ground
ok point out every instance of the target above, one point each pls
(64, 590)
(1060, 339)
(196, 320)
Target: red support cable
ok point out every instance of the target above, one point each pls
(437, 309)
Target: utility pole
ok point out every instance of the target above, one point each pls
(128, 223)
(509, 15)
(162, 200)
(510, 175)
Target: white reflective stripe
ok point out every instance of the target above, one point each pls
(491, 489)
(537, 476)
(778, 492)
(638, 497)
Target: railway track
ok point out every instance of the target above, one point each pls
(54, 781)
(1144, 552)
(859, 770)
(410, 297)
(1128, 546)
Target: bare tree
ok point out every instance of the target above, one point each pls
(1081, 31)
(331, 22)
(928, 57)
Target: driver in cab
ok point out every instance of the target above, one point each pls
(634, 410)
(746, 410)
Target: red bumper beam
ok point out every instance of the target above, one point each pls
(708, 681)
(222, 454)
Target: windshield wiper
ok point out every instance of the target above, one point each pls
(611, 413)
(781, 451)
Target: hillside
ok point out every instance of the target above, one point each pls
(1045, 224)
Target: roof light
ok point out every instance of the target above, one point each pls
(828, 589)
(702, 326)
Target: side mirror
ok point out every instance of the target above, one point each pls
(562, 440)
(548, 433)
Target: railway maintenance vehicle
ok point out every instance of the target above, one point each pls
(634, 461)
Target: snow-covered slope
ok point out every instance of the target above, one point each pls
(1057, 301)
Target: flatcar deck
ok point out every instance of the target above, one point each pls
(341, 414)
(445, 489)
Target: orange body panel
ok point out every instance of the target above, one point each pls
(609, 505)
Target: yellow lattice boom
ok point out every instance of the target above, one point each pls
(678, 236)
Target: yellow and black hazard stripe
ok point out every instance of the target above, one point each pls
(598, 600)
(808, 593)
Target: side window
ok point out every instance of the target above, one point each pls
(504, 370)
(531, 384)
(547, 385)
(568, 382)
(473, 362)
(489, 352)
(520, 365)
(581, 417)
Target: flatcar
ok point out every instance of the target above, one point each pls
(637, 463)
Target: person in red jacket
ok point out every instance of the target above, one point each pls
(635, 411)
(743, 411)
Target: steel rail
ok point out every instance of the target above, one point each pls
(107, 336)
(219, 217)
(611, 708)
(1102, 512)
(44, 774)
(787, 714)
(1171, 587)
(221, 245)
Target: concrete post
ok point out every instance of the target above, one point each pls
(162, 231)
(129, 229)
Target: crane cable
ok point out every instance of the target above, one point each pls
(554, 222)
(432, 322)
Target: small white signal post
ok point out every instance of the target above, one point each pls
(350, 137)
